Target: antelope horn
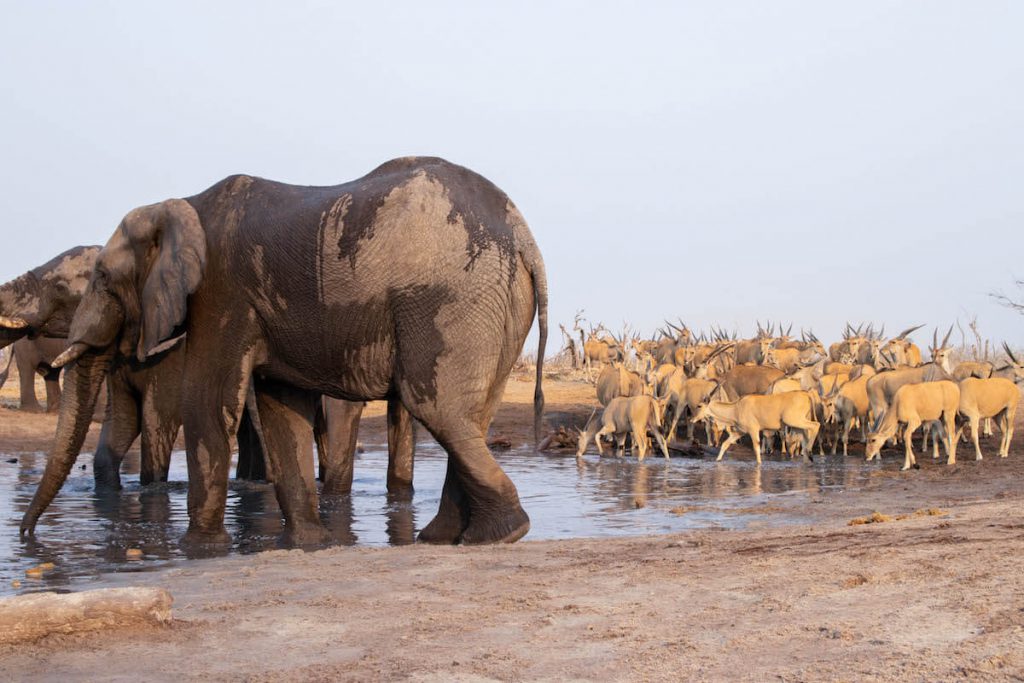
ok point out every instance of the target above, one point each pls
(945, 340)
(904, 333)
(12, 323)
(1009, 353)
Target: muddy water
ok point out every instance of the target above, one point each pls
(85, 535)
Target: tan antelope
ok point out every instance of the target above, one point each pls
(787, 384)
(942, 354)
(661, 374)
(600, 349)
(807, 342)
(883, 386)
(989, 398)
(1013, 370)
(744, 380)
(847, 406)
(832, 381)
(789, 359)
(615, 380)
(753, 414)
(980, 369)
(849, 346)
(753, 350)
(685, 394)
(837, 367)
(914, 405)
(635, 416)
(685, 398)
(903, 350)
(808, 375)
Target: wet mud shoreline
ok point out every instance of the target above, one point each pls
(929, 596)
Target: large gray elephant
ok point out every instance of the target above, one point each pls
(417, 283)
(36, 309)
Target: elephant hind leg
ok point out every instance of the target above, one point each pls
(479, 503)
(401, 448)
(117, 434)
(336, 429)
(287, 416)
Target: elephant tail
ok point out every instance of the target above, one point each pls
(540, 294)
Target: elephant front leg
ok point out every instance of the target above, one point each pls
(287, 416)
(211, 407)
(27, 391)
(161, 420)
(52, 383)
(401, 448)
(116, 436)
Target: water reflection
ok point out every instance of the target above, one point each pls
(84, 534)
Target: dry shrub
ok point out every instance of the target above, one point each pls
(878, 517)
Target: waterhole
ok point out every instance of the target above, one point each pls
(84, 534)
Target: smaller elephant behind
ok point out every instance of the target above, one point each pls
(145, 400)
(32, 357)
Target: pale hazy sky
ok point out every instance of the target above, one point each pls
(721, 161)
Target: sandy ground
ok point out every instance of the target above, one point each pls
(930, 596)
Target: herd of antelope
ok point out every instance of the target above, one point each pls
(773, 387)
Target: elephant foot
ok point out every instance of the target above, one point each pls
(507, 526)
(400, 491)
(304, 536)
(332, 487)
(202, 538)
(107, 486)
(444, 529)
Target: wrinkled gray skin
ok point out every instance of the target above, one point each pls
(416, 283)
(145, 400)
(36, 310)
(336, 428)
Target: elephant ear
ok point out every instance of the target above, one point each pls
(174, 274)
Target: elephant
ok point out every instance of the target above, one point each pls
(32, 356)
(145, 400)
(416, 283)
(36, 309)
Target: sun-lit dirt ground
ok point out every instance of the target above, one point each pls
(934, 593)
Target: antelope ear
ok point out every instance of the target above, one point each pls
(175, 274)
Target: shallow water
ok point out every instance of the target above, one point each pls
(85, 535)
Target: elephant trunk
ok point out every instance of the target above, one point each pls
(82, 384)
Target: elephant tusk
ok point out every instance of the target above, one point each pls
(73, 352)
(12, 323)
